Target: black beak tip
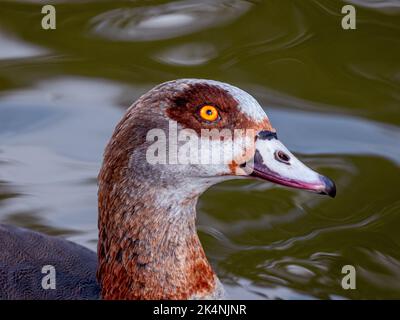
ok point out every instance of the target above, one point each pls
(330, 187)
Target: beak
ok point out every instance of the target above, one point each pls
(274, 162)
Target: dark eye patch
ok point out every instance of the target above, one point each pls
(184, 106)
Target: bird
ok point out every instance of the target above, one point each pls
(156, 165)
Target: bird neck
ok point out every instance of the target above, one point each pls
(148, 245)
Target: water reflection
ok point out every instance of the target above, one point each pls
(13, 48)
(190, 54)
(167, 20)
(391, 7)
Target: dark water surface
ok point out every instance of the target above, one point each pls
(334, 96)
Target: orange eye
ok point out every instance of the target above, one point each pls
(209, 113)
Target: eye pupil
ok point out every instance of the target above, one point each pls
(209, 113)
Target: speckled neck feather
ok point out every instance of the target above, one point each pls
(148, 246)
(151, 252)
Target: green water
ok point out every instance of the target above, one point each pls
(333, 95)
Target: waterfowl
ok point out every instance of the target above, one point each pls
(148, 246)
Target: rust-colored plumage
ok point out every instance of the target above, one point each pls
(185, 104)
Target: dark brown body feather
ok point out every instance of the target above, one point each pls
(23, 253)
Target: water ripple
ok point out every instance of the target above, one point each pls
(167, 20)
(391, 7)
(14, 48)
(284, 245)
(188, 54)
(296, 32)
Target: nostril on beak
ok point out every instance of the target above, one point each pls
(282, 157)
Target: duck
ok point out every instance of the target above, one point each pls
(148, 188)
